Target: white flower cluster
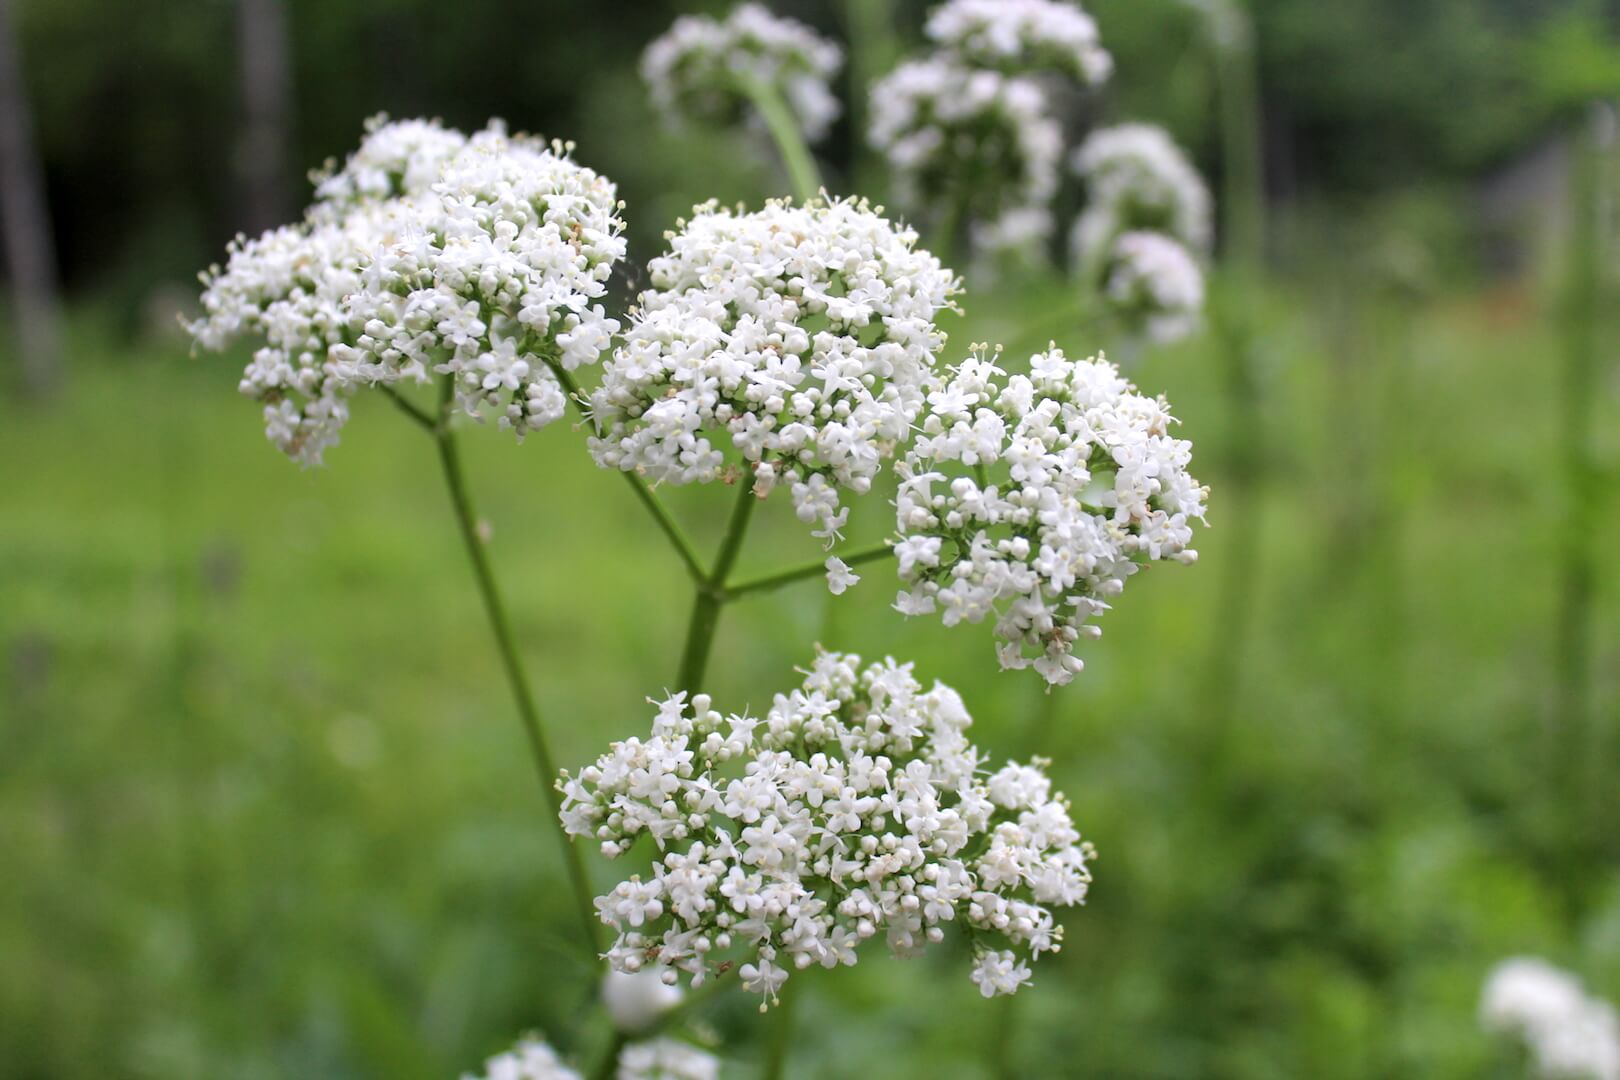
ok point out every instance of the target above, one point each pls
(1020, 36)
(977, 137)
(1034, 497)
(667, 1059)
(1148, 216)
(855, 808)
(400, 157)
(1155, 286)
(802, 336)
(694, 68)
(530, 1059)
(1138, 179)
(654, 1059)
(1570, 1035)
(427, 253)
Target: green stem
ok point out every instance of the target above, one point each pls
(608, 1067)
(806, 570)
(784, 129)
(781, 1038)
(495, 610)
(711, 592)
(1582, 483)
(404, 404)
(644, 494)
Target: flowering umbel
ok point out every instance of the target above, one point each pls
(694, 69)
(1033, 498)
(855, 808)
(1570, 1035)
(428, 253)
(1022, 37)
(795, 342)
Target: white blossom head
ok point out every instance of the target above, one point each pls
(427, 254)
(530, 1059)
(856, 808)
(1138, 179)
(1033, 498)
(971, 142)
(1154, 286)
(667, 1059)
(795, 344)
(634, 1002)
(1022, 36)
(394, 158)
(693, 70)
(1570, 1035)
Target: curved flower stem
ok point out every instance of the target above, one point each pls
(711, 592)
(784, 129)
(406, 406)
(644, 493)
(806, 570)
(495, 610)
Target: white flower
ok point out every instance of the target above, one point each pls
(1138, 179)
(428, 253)
(1020, 36)
(1569, 1034)
(855, 809)
(801, 339)
(974, 138)
(531, 1059)
(635, 1001)
(667, 1059)
(999, 972)
(693, 69)
(1155, 285)
(1033, 498)
(839, 575)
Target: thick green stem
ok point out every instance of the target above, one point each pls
(1571, 730)
(608, 1067)
(806, 570)
(528, 712)
(784, 129)
(1242, 255)
(711, 592)
(781, 1034)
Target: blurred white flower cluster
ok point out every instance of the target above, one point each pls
(800, 338)
(428, 253)
(968, 143)
(1034, 497)
(855, 808)
(1155, 286)
(1570, 1035)
(655, 1059)
(969, 131)
(694, 68)
(1148, 218)
(1022, 36)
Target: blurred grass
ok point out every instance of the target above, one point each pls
(265, 811)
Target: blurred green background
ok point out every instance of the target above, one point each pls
(264, 805)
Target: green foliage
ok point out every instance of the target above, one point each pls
(266, 810)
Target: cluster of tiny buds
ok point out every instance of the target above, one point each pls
(855, 808)
(477, 259)
(794, 342)
(1033, 498)
(693, 69)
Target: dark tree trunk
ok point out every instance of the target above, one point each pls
(261, 151)
(30, 258)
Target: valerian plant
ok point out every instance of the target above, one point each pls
(796, 347)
